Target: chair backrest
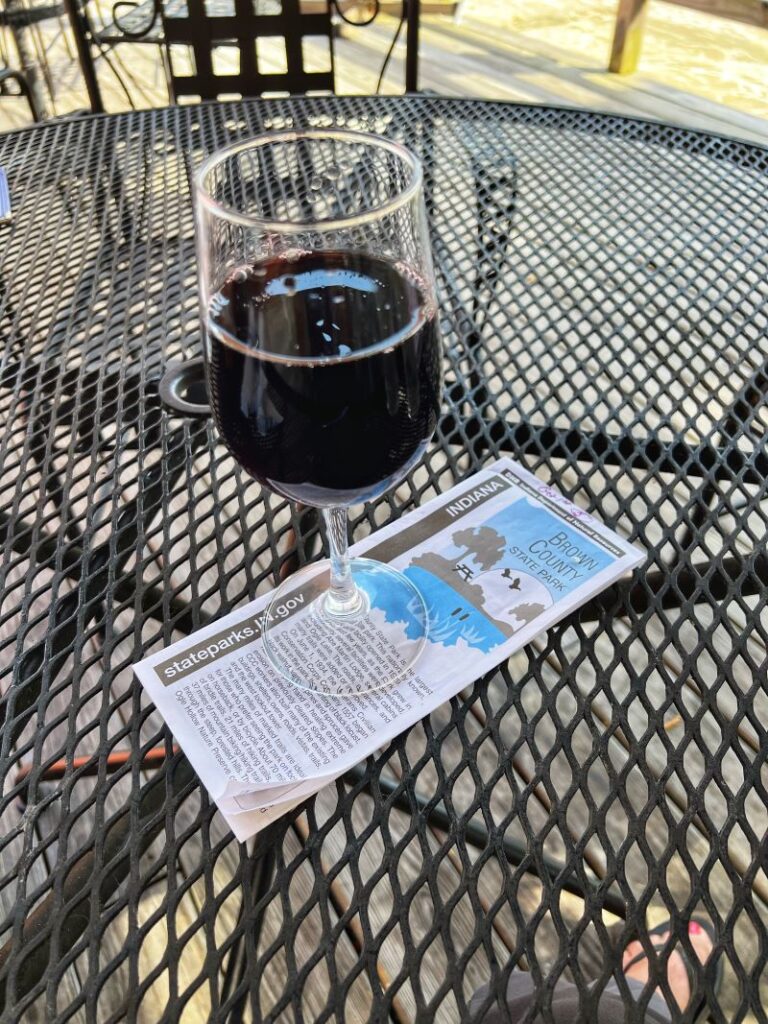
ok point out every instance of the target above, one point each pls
(219, 49)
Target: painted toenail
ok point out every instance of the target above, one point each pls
(694, 928)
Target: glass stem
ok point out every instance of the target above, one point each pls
(343, 597)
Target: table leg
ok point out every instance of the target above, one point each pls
(233, 995)
(412, 46)
(84, 55)
(628, 36)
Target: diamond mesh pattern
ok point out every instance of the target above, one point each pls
(604, 287)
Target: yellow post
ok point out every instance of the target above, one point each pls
(628, 37)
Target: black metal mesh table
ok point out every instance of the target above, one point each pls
(604, 297)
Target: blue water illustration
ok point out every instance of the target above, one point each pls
(450, 617)
(445, 627)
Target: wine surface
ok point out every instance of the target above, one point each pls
(324, 374)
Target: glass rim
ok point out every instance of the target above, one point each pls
(235, 216)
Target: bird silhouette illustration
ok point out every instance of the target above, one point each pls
(507, 575)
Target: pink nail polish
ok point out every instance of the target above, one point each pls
(694, 928)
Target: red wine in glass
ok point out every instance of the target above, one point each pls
(324, 373)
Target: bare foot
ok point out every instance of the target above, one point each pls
(676, 972)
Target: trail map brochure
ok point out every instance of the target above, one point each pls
(499, 559)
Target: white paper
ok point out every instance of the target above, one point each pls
(499, 559)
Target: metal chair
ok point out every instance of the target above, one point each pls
(199, 39)
(10, 75)
(217, 48)
(20, 21)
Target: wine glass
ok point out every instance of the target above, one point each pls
(324, 371)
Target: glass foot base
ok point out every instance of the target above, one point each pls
(345, 655)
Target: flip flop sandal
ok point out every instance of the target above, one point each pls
(700, 1010)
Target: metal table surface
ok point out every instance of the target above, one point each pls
(604, 288)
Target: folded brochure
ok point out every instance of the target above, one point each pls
(498, 559)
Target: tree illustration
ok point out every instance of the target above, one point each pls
(527, 612)
(485, 544)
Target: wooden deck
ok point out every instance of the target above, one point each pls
(696, 70)
(522, 54)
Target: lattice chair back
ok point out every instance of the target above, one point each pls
(222, 49)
